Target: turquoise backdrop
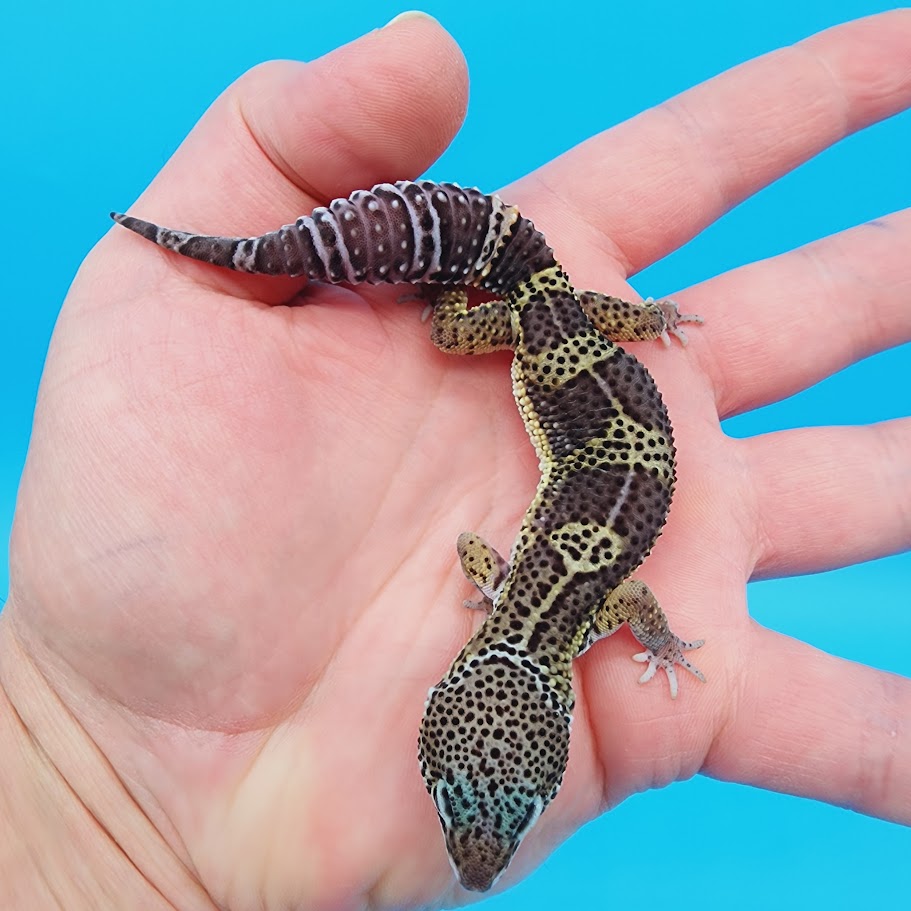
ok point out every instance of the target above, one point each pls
(98, 95)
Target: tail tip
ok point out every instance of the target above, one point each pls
(118, 217)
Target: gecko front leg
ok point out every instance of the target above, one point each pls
(623, 321)
(633, 603)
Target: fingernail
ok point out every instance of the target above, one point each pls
(410, 14)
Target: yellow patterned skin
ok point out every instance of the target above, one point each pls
(494, 739)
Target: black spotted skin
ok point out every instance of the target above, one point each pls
(494, 740)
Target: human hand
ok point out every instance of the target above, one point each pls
(233, 557)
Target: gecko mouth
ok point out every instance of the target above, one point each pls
(478, 880)
(479, 863)
(479, 857)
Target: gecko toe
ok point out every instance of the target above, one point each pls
(667, 658)
(674, 317)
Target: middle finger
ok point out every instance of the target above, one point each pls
(779, 325)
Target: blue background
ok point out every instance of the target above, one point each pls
(98, 95)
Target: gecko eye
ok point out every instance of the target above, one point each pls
(530, 818)
(443, 801)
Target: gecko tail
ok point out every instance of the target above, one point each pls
(410, 231)
(144, 228)
(265, 255)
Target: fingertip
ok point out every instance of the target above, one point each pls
(412, 96)
(410, 14)
(383, 107)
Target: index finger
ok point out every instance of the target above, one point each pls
(663, 176)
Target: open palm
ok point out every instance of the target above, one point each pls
(234, 550)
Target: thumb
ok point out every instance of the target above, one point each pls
(288, 136)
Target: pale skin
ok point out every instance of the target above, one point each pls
(233, 567)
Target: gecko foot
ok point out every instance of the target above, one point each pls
(669, 655)
(483, 603)
(420, 296)
(674, 317)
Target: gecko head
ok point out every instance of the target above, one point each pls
(493, 747)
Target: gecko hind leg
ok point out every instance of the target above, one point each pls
(460, 329)
(484, 567)
(633, 603)
(622, 321)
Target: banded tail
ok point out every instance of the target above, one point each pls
(404, 232)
